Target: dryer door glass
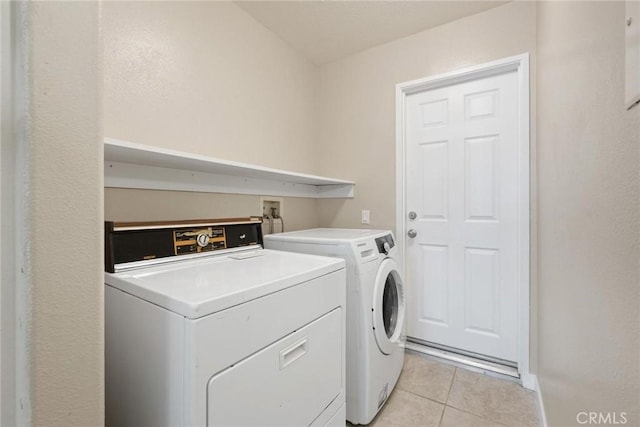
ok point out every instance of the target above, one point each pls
(390, 305)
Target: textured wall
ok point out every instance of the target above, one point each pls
(206, 78)
(60, 314)
(589, 189)
(125, 205)
(357, 102)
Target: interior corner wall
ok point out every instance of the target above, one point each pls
(589, 216)
(206, 78)
(358, 105)
(59, 309)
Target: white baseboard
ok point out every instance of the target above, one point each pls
(541, 412)
(529, 381)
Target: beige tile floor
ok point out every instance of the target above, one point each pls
(431, 393)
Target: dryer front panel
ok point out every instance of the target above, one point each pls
(291, 381)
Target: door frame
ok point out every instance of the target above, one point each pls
(519, 64)
(13, 371)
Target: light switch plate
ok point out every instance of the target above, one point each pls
(365, 217)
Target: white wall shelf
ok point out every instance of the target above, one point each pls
(131, 165)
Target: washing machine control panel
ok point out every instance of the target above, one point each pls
(385, 243)
(137, 242)
(195, 240)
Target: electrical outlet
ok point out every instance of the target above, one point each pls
(365, 216)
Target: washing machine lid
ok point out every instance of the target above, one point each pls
(326, 235)
(199, 287)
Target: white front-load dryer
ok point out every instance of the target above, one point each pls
(375, 335)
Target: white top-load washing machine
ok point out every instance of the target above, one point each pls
(375, 309)
(205, 327)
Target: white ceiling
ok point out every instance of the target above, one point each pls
(325, 31)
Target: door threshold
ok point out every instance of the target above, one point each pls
(509, 373)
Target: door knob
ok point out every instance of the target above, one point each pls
(412, 233)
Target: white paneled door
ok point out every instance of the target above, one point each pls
(462, 184)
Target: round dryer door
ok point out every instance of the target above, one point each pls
(388, 306)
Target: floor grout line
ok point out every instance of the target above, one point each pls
(455, 369)
(476, 415)
(453, 377)
(444, 408)
(466, 410)
(421, 396)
